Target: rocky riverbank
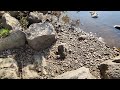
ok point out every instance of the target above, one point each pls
(49, 45)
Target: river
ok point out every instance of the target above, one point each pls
(102, 26)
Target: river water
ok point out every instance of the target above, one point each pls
(102, 26)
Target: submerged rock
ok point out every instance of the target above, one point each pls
(94, 14)
(117, 26)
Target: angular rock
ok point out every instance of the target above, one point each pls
(35, 17)
(10, 22)
(62, 50)
(40, 35)
(15, 39)
(110, 69)
(94, 14)
(81, 73)
(28, 72)
(54, 19)
(47, 17)
(8, 68)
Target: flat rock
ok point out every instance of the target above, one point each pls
(81, 73)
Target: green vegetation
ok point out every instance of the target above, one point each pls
(4, 33)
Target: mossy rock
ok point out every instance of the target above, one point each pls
(4, 33)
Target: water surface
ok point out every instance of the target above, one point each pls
(102, 26)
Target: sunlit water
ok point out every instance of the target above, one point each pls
(102, 26)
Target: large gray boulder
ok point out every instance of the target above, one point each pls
(81, 73)
(15, 39)
(8, 68)
(40, 35)
(10, 22)
(110, 69)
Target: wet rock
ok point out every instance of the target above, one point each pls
(94, 14)
(8, 68)
(40, 35)
(10, 22)
(15, 39)
(81, 73)
(117, 26)
(28, 72)
(110, 69)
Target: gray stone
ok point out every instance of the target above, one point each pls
(10, 22)
(8, 68)
(81, 73)
(40, 35)
(15, 39)
(35, 17)
(14, 13)
(110, 69)
(62, 50)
